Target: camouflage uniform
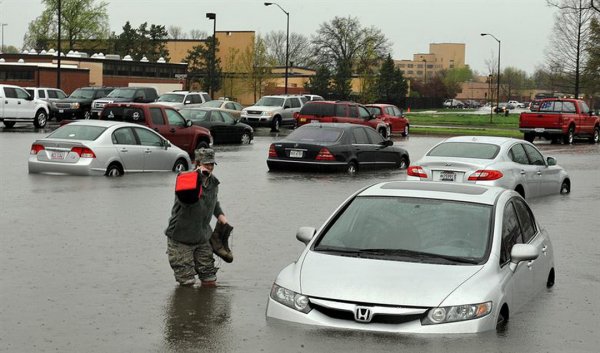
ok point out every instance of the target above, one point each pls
(189, 230)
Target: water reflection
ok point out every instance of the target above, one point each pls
(198, 318)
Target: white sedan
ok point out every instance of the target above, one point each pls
(105, 148)
(418, 257)
(496, 161)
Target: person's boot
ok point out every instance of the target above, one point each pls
(219, 241)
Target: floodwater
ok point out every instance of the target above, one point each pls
(83, 265)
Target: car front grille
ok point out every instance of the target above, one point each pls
(377, 318)
(63, 105)
(254, 112)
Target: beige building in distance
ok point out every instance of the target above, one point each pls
(441, 56)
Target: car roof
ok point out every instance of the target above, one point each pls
(103, 123)
(483, 139)
(436, 190)
(344, 126)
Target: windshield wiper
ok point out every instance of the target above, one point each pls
(417, 254)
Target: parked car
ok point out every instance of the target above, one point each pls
(79, 104)
(164, 120)
(48, 95)
(557, 119)
(453, 103)
(233, 108)
(341, 112)
(224, 128)
(417, 257)
(17, 106)
(333, 146)
(498, 161)
(313, 97)
(470, 103)
(111, 148)
(515, 104)
(273, 111)
(180, 99)
(125, 94)
(392, 115)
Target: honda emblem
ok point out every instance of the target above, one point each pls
(363, 314)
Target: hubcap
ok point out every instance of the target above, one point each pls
(42, 119)
(87, 115)
(113, 172)
(245, 139)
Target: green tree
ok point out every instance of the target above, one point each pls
(143, 41)
(513, 81)
(80, 20)
(320, 83)
(200, 59)
(391, 87)
(342, 81)
(592, 68)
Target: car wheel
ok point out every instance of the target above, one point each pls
(202, 144)
(245, 140)
(403, 164)
(41, 118)
(114, 170)
(180, 165)
(570, 136)
(502, 321)
(529, 137)
(406, 130)
(595, 135)
(87, 114)
(9, 124)
(351, 168)
(565, 187)
(276, 124)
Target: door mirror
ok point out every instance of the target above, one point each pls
(286, 107)
(29, 98)
(387, 143)
(551, 161)
(166, 144)
(305, 234)
(188, 123)
(523, 252)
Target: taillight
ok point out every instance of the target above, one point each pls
(35, 148)
(83, 152)
(486, 175)
(296, 114)
(416, 171)
(272, 152)
(325, 155)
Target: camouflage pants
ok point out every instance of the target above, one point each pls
(189, 260)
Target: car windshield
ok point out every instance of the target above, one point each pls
(212, 104)
(171, 98)
(77, 132)
(82, 93)
(194, 114)
(315, 134)
(122, 93)
(410, 229)
(465, 150)
(270, 102)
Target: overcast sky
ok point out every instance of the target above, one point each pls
(523, 26)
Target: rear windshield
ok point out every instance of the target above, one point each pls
(77, 132)
(557, 107)
(132, 115)
(315, 133)
(318, 109)
(375, 110)
(465, 150)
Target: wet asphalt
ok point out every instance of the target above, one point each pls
(83, 265)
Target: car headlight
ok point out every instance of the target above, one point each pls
(447, 314)
(74, 105)
(267, 114)
(290, 298)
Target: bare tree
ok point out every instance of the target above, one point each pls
(300, 48)
(570, 35)
(176, 32)
(589, 4)
(198, 34)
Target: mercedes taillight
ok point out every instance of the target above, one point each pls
(272, 152)
(325, 155)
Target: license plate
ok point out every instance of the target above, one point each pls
(296, 154)
(447, 176)
(539, 129)
(58, 155)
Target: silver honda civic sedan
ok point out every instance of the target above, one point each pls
(417, 257)
(497, 161)
(102, 147)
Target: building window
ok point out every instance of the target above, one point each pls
(409, 66)
(25, 75)
(410, 72)
(420, 73)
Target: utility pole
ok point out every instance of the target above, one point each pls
(287, 43)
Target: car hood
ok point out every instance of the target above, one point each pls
(263, 108)
(74, 100)
(169, 104)
(384, 282)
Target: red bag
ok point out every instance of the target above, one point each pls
(188, 187)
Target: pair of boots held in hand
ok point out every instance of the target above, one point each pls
(219, 241)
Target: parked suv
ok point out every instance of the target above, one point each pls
(273, 111)
(164, 120)
(79, 104)
(453, 103)
(16, 105)
(125, 94)
(341, 112)
(179, 99)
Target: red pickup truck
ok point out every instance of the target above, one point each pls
(164, 120)
(558, 119)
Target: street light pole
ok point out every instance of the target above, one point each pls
(425, 70)
(211, 72)
(59, 47)
(287, 43)
(498, 83)
(2, 47)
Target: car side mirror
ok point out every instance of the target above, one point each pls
(305, 234)
(387, 143)
(29, 98)
(522, 252)
(551, 161)
(286, 107)
(166, 144)
(188, 123)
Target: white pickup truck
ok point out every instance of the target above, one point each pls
(16, 106)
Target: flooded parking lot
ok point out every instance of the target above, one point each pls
(83, 265)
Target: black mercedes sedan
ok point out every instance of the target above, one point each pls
(335, 147)
(223, 127)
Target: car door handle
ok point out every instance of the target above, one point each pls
(545, 249)
(538, 173)
(530, 264)
(147, 151)
(522, 172)
(124, 150)
(172, 130)
(19, 102)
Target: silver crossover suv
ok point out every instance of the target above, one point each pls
(273, 111)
